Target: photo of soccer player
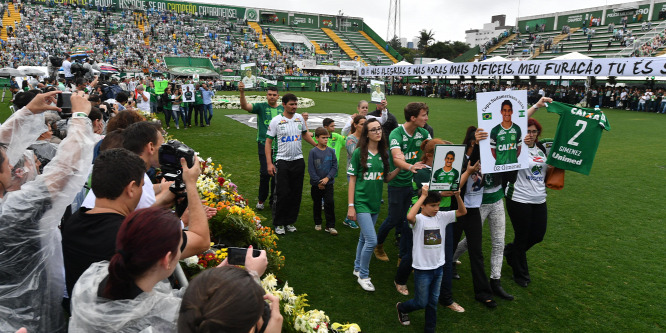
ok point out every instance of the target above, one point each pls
(506, 138)
(446, 166)
(377, 95)
(502, 114)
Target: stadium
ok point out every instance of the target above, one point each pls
(84, 79)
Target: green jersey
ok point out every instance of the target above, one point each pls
(577, 137)
(198, 97)
(410, 145)
(337, 142)
(265, 114)
(492, 190)
(452, 177)
(505, 142)
(188, 95)
(423, 176)
(153, 96)
(369, 184)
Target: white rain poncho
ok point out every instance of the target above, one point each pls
(31, 266)
(155, 311)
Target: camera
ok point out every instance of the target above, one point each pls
(169, 157)
(236, 255)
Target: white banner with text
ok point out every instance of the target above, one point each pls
(647, 67)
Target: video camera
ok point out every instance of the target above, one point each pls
(169, 156)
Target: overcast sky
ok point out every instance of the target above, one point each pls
(448, 19)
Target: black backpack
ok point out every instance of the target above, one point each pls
(55, 61)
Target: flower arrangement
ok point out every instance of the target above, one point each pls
(293, 309)
(232, 102)
(235, 224)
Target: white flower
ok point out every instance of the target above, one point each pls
(269, 282)
(209, 160)
(192, 261)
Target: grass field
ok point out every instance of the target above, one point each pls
(599, 269)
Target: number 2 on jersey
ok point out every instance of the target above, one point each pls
(572, 141)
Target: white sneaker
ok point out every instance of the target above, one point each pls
(279, 230)
(357, 274)
(318, 227)
(290, 228)
(366, 284)
(260, 205)
(332, 231)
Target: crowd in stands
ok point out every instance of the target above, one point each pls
(135, 40)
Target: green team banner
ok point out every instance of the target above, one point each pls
(577, 20)
(615, 16)
(229, 12)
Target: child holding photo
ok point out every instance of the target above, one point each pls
(429, 232)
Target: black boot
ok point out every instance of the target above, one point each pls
(497, 289)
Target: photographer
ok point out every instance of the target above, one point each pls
(30, 262)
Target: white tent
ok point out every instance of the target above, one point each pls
(402, 63)
(571, 56)
(441, 61)
(495, 59)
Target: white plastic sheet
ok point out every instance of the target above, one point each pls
(31, 266)
(155, 311)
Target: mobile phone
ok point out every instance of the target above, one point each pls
(236, 255)
(64, 102)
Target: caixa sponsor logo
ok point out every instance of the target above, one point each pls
(290, 138)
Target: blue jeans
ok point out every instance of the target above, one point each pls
(153, 107)
(399, 199)
(426, 283)
(367, 241)
(208, 112)
(177, 114)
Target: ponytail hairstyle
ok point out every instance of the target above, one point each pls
(382, 147)
(355, 122)
(144, 238)
(225, 299)
(428, 147)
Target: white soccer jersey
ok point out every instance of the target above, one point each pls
(288, 133)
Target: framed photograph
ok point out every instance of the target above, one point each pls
(188, 93)
(377, 94)
(249, 75)
(503, 114)
(446, 167)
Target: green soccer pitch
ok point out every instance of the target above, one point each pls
(599, 269)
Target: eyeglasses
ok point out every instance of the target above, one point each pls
(375, 130)
(532, 132)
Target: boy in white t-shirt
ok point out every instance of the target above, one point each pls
(429, 232)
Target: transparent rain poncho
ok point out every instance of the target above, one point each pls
(31, 265)
(155, 311)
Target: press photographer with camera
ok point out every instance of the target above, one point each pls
(30, 262)
(119, 189)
